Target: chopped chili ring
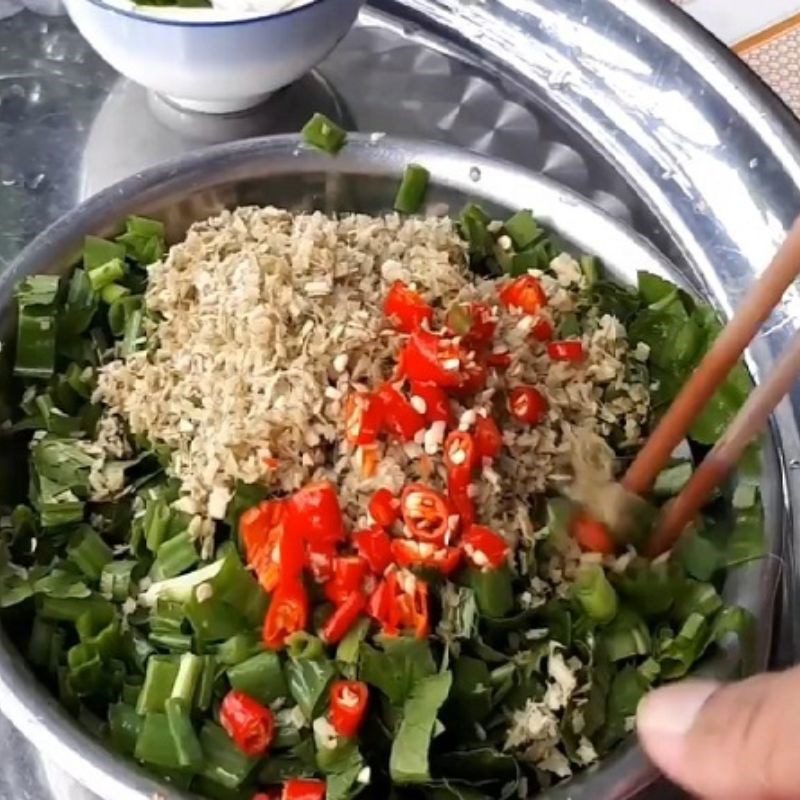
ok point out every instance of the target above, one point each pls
(348, 702)
(363, 417)
(349, 573)
(274, 554)
(319, 560)
(411, 604)
(474, 322)
(524, 294)
(592, 535)
(384, 508)
(460, 452)
(375, 547)
(429, 357)
(406, 309)
(488, 439)
(527, 405)
(261, 530)
(400, 418)
(425, 513)
(437, 403)
(570, 350)
(248, 723)
(473, 376)
(408, 553)
(459, 494)
(380, 605)
(499, 360)
(303, 789)
(543, 330)
(484, 548)
(343, 618)
(314, 514)
(287, 614)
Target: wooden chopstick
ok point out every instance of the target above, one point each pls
(715, 366)
(748, 423)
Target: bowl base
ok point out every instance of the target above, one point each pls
(230, 106)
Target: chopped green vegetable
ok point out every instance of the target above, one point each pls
(158, 683)
(106, 274)
(523, 229)
(143, 240)
(408, 762)
(184, 738)
(595, 594)
(223, 762)
(493, 591)
(308, 682)
(412, 190)
(324, 134)
(261, 677)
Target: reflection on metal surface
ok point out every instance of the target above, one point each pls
(154, 130)
(625, 101)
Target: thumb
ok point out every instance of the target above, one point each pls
(732, 742)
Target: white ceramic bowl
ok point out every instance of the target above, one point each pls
(213, 65)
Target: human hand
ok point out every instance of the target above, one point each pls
(727, 742)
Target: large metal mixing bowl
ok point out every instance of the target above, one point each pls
(363, 177)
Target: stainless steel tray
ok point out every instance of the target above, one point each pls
(624, 101)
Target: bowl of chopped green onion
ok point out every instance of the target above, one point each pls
(218, 57)
(286, 511)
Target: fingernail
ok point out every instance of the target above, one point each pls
(672, 710)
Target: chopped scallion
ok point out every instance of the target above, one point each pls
(106, 274)
(412, 190)
(324, 134)
(158, 683)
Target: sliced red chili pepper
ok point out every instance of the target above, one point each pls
(501, 360)
(568, 350)
(527, 405)
(458, 493)
(400, 418)
(425, 513)
(314, 514)
(543, 330)
(473, 377)
(405, 308)
(348, 707)
(348, 577)
(363, 416)
(524, 294)
(248, 723)
(411, 604)
(303, 789)
(375, 547)
(483, 547)
(261, 529)
(381, 603)
(474, 322)
(408, 553)
(437, 403)
(343, 617)
(460, 452)
(287, 614)
(431, 358)
(319, 560)
(384, 508)
(488, 439)
(592, 535)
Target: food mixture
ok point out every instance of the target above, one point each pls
(299, 520)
